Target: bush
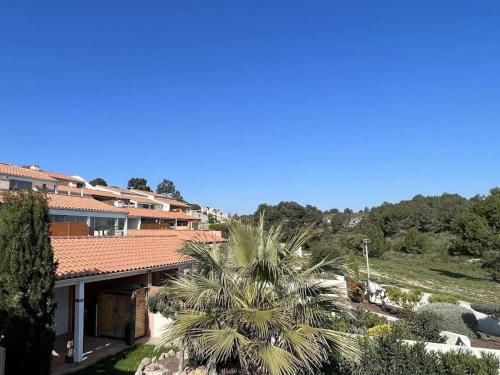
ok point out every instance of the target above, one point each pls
(444, 298)
(387, 355)
(424, 325)
(381, 329)
(454, 318)
(491, 310)
(401, 297)
(415, 242)
(366, 319)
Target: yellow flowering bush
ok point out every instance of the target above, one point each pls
(381, 329)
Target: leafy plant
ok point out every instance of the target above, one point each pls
(454, 318)
(444, 298)
(406, 299)
(381, 329)
(387, 355)
(424, 325)
(366, 319)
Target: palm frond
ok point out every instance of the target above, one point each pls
(276, 361)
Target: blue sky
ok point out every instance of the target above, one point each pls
(332, 103)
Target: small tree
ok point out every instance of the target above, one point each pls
(251, 307)
(474, 235)
(138, 183)
(168, 188)
(98, 181)
(27, 277)
(415, 242)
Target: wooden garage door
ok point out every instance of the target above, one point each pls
(114, 311)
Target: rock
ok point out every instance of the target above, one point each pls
(145, 361)
(376, 293)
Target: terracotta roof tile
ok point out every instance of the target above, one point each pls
(173, 202)
(201, 235)
(67, 202)
(14, 170)
(158, 214)
(138, 199)
(161, 197)
(85, 256)
(145, 192)
(62, 176)
(64, 189)
(189, 235)
(120, 190)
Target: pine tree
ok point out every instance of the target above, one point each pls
(27, 277)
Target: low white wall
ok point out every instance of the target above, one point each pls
(159, 325)
(339, 283)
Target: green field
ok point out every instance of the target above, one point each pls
(457, 276)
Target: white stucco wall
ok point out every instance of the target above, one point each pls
(61, 315)
(160, 325)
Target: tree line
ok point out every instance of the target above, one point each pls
(446, 223)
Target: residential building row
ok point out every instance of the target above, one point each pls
(113, 246)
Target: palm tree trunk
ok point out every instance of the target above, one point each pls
(181, 356)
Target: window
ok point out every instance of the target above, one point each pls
(120, 226)
(20, 185)
(67, 219)
(102, 226)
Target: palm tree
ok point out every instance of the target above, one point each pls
(250, 306)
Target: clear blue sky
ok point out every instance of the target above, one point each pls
(332, 103)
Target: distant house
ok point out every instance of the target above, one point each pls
(112, 246)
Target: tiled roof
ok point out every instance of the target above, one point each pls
(162, 198)
(138, 199)
(14, 170)
(63, 189)
(201, 235)
(158, 214)
(66, 202)
(145, 192)
(173, 202)
(120, 190)
(85, 256)
(62, 176)
(190, 235)
(86, 192)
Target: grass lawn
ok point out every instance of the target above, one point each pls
(437, 274)
(122, 363)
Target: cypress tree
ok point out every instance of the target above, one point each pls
(27, 277)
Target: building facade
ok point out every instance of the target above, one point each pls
(113, 247)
